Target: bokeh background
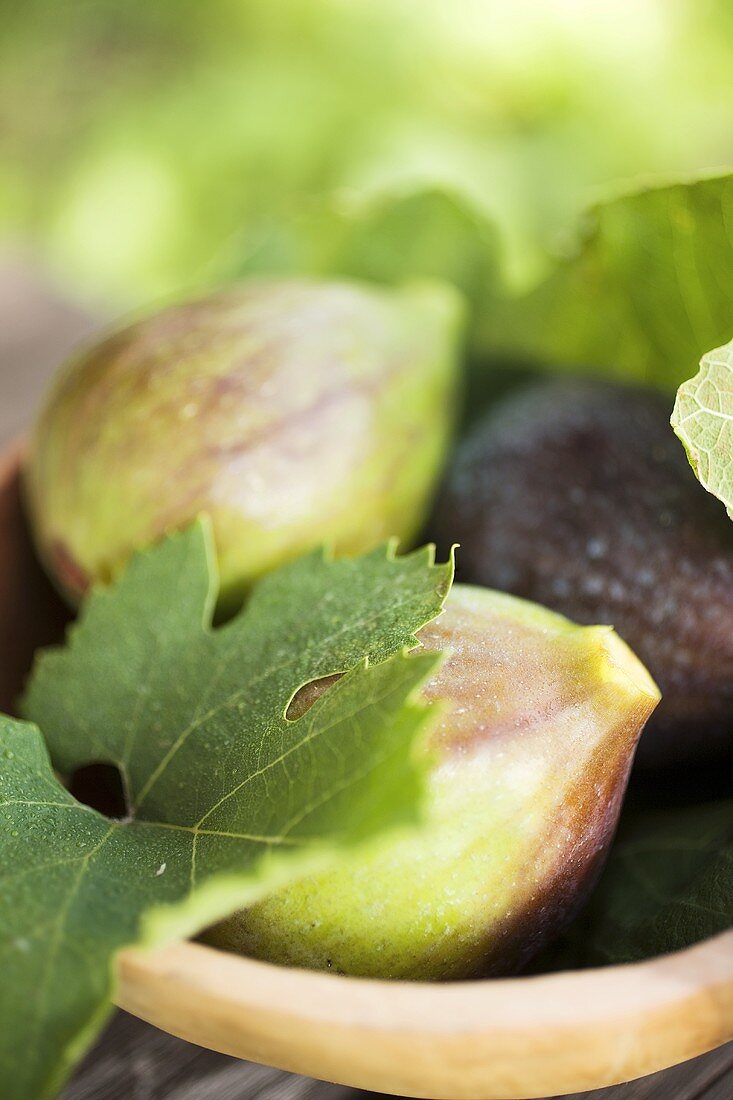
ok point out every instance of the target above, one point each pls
(152, 147)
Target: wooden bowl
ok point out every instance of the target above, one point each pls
(521, 1037)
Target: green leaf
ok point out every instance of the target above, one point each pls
(228, 797)
(667, 885)
(393, 238)
(648, 290)
(703, 420)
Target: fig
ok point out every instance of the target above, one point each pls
(527, 765)
(294, 412)
(578, 495)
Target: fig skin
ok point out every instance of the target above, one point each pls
(578, 495)
(529, 759)
(295, 413)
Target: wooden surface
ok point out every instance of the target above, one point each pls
(134, 1061)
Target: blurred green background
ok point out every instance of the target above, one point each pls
(149, 147)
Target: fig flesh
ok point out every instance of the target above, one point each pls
(528, 764)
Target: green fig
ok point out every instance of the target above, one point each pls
(528, 763)
(294, 412)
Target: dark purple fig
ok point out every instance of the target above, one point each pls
(576, 494)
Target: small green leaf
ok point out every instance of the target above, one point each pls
(703, 419)
(228, 797)
(646, 292)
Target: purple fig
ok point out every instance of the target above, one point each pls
(578, 495)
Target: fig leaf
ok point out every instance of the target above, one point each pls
(667, 885)
(394, 237)
(645, 292)
(703, 420)
(227, 797)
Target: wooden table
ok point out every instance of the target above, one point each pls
(133, 1061)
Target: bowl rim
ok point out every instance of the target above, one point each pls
(533, 1036)
(532, 1000)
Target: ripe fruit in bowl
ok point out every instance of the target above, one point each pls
(529, 759)
(578, 495)
(295, 413)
